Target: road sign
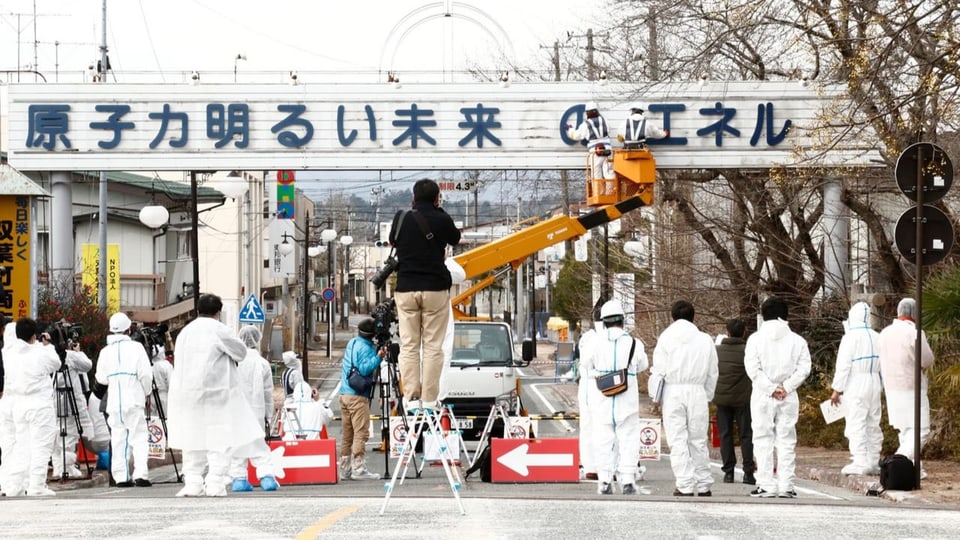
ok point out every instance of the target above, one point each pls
(302, 462)
(535, 460)
(934, 166)
(328, 294)
(937, 235)
(251, 312)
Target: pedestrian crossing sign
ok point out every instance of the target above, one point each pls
(251, 312)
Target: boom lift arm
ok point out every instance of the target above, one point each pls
(635, 172)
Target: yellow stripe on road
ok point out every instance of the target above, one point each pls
(325, 523)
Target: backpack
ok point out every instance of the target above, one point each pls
(482, 463)
(897, 473)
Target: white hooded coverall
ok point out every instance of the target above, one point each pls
(857, 377)
(209, 418)
(162, 369)
(312, 414)
(65, 447)
(586, 439)
(616, 419)
(256, 381)
(123, 367)
(686, 358)
(775, 356)
(897, 349)
(28, 421)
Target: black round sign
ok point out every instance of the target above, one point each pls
(934, 166)
(937, 235)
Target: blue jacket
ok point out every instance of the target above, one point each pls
(361, 353)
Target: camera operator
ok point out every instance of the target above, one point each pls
(65, 447)
(28, 422)
(124, 368)
(422, 292)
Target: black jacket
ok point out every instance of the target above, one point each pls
(421, 260)
(733, 384)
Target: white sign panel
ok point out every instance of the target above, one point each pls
(281, 265)
(752, 124)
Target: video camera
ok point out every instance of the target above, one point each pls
(384, 318)
(151, 337)
(63, 335)
(388, 268)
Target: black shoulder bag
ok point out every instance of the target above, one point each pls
(615, 383)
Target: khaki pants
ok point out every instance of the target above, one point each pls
(423, 323)
(355, 426)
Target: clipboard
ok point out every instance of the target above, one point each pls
(832, 413)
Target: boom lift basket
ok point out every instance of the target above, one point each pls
(635, 172)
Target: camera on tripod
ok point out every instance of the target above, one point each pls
(384, 317)
(63, 335)
(153, 338)
(388, 268)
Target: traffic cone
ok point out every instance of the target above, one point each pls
(445, 422)
(83, 456)
(323, 432)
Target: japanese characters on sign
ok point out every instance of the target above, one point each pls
(15, 256)
(365, 126)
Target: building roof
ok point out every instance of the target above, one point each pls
(14, 182)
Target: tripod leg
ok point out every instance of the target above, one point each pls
(162, 415)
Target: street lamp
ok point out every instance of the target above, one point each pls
(345, 241)
(327, 236)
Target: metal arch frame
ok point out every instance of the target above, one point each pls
(407, 24)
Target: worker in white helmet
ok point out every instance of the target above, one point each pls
(616, 418)
(637, 129)
(594, 131)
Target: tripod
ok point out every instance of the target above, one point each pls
(391, 382)
(68, 415)
(161, 413)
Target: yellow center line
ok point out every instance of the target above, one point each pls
(326, 522)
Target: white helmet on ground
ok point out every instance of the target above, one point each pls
(611, 311)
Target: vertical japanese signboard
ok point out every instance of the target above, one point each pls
(90, 274)
(282, 228)
(15, 256)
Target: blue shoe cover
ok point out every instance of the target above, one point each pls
(269, 483)
(241, 484)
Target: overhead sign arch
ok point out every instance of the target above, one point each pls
(131, 127)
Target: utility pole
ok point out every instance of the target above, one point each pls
(102, 218)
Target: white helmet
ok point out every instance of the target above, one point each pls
(611, 310)
(638, 106)
(590, 106)
(119, 323)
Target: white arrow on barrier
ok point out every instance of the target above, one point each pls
(518, 460)
(282, 462)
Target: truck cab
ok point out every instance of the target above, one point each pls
(481, 370)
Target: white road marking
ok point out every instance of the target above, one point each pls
(550, 407)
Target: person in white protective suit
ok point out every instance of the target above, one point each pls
(593, 129)
(856, 384)
(777, 361)
(162, 369)
(64, 456)
(637, 129)
(28, 421)
(124, 368)
(616, 419)
(292, 374)
(686, 360)
(256, 381)
(209, 419)
(311, 414)
(588, 461)
(897, 349)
